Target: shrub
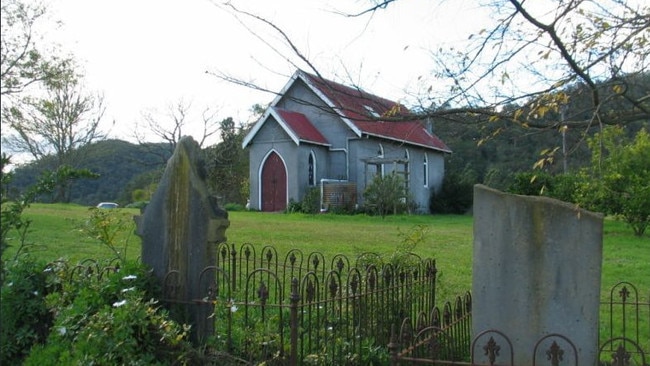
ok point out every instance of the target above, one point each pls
(311, 201)
(138, 204)
(108, 227)
(24, 316)
(563, 187)
(107, 319)
(455, 196)
(386, 194)
(293, 206)
(619, 176)
(234, 207)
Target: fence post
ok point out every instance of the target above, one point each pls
(293, 307)
(233, 268)
(393, 347)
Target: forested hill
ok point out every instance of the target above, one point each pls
(120, 165)
(493, 153)
(124, 167)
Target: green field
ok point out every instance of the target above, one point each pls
(55, 234)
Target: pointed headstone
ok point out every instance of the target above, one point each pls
(180, 228)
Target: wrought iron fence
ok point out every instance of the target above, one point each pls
(301, 309)
(624, 337)
(305, 308)
(625, 322)
(438, 335)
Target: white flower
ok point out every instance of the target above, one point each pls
(128, 289)
(130, 277)
(35, 293)
(119, 303)
(233, 308)
(62, 330)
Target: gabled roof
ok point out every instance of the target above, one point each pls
(295, 124)
(300, 125)
(362, 112)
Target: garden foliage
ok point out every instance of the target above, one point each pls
(615, 184)
(619, 176)
(109, 319)
(455, 195)
(386, 194)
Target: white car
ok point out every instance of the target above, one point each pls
(108, 205)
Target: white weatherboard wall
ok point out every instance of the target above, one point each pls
(536, 271)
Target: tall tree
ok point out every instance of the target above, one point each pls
(174, 123)
(23, 61)
(618, 182)
(57, 125)
(227, 164)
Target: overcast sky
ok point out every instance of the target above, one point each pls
(147, 54)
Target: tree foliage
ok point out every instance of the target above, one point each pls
(619, 177)
(227, 164)
(455, 196)
(564, 187)
(58, 124)
(23, 61)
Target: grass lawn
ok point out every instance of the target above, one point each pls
(55, 233)
(55, 230)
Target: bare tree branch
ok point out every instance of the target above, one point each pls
(528, 66)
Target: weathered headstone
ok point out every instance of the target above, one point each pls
(180, 228)
(536, 271)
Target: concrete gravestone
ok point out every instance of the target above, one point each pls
(180, 228)
(536, 271)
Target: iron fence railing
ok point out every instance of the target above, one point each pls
(303, 309)
(300, 307)
(624, 338)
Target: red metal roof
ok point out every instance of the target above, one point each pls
(366, 110)
(408, 131)
(300, 125)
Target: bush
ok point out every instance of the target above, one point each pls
(563, 187)
(26, 320)
(455, 196)
(108, 319)
(234, 207)
(310, 203)
(138, 204)
(386, 194)
(619, 176)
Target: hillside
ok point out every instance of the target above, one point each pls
(124, 166)
(492, 153)
(119, 165)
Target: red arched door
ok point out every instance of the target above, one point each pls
(274, 184)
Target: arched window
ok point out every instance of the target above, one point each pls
(425, 166)
(407, 158)
(312, 169)
(380, 166)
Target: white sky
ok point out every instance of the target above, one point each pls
(147, 54)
